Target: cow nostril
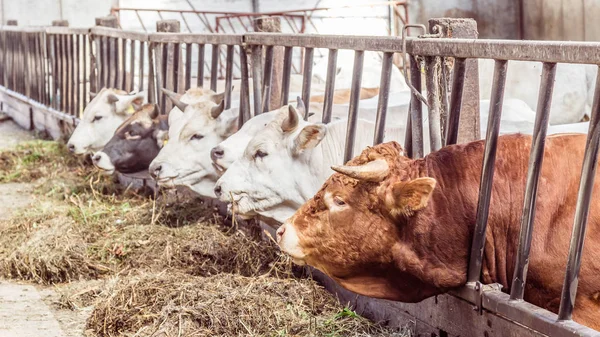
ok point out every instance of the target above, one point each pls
(71, 147)
(280, 232)
(218, 190)
(156, 172)
(216, 153)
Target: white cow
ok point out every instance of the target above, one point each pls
(573, 88)
(101, 117)
(286, 163)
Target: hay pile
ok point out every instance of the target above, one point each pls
(155, 269)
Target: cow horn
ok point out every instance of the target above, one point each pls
(93, 95)
(173, 97)
(112, 98)
(291, 121)
(218, 98)
(374, 171)
(300, 106)
(215, 111)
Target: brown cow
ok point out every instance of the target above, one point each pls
(400, 229)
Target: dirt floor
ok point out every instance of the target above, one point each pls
(25, 309)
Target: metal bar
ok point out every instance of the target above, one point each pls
(46, 67)
(153, 80)
(433, 71)
(584, 197)
(25, 58)
(168, 61)
(229, 75)
(123, 66)
(141, 71)
(114, 63)
(244, 90)
(84, 55)
(458, 83)
(536, 159)
(408, 143)
(200, 78)
(257, 78)
(416, 110)
(307, 75)
(487, 171)
(214, 67)
(77, 76)
(140, 20)
(384, 93)
(105, 69)
(188, 66)
(53, 49)
(162, 83)
(119, 78)
(287, 69)
(359, 56)
(62, 72)
(268, 77)
(177, 68)
(72, 83)
(329, 85)
(131, 86)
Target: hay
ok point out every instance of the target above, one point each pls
(175, 304)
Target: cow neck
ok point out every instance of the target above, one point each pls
(434, 242)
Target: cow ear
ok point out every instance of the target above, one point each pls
(230, 126)
(408, 197)
(309, 137)
(129, 103)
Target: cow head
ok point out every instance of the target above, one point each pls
(351, 228)
(135, 143)
(273, 176)
(101, 117)
(185, 159)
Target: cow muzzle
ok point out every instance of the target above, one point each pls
(289, 242)
(102, 161)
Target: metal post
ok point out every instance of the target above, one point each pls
(244, 90)
(107, 21)
(469, 128)
(330, 85)
(214, 67)
(359, 57)
(416, 111)
(536, 158)
(433, 70)
(257, 78)
(267, 78)
(586, 186)
(287, 70)
(167, 61)
(274, 71)
(458, 83)
(228, 76)
(487, 172)
(307, 75)
(384, 93)
(60, 23)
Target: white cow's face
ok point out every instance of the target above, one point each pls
(101, 117)
(231, 149)
(185, 159)
(274, 176)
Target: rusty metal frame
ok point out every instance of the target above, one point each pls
(487, 297)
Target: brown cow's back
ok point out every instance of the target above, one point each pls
(555, 211)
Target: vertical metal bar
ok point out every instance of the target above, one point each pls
(287, 70)
(104, 78)
(25, 58)
(433, 72)
(178, 68)
(169, 58)
(586, 186)
(228, 76)
(62, 72)
(257, 77)
(307, 75)
(267, 79)
(188, 66)
(77, 101)
(458, 83)
(52, 48)
(384, 93)
(161, 59)
(152, 80)
(244, 90)
(329, 85)
(487, 171)
(359, 57)
(73, 79)
(114, 63)
(142, 62)
(119, 78)
(131, 86)
(416, 110)
(214, 67)
(408, 142)
(123, 66)
(84, 57)
(536, 159)
(200, 78)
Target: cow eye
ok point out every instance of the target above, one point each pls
(97, 118)
(131, 136)
(260, 154)
(338, 201)
(196, 137)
